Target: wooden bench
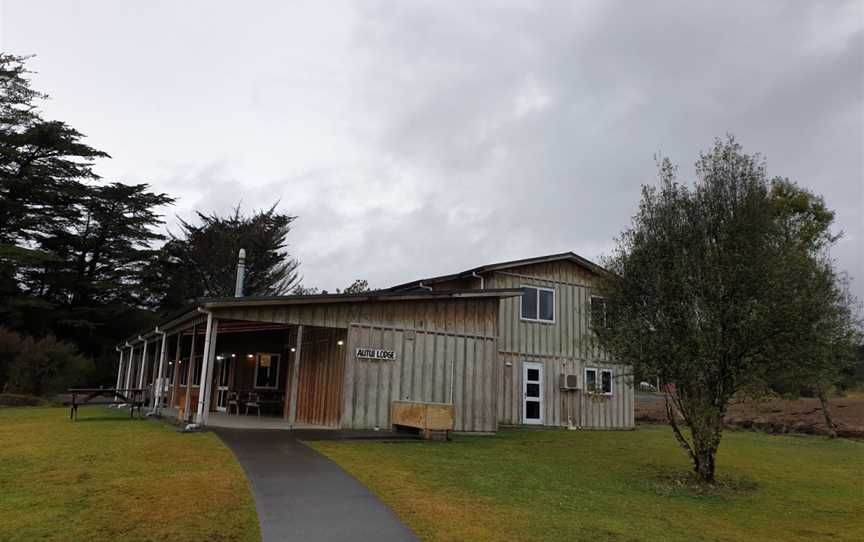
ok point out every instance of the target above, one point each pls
(85, 396)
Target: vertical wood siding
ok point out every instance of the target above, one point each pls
(440, 315)
(446, 351)
(322, 365)
(564, 408)
(565, 346)
(429, 366)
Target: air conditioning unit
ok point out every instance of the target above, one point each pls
(569, 381)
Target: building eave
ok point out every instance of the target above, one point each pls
(491, 268)
(179, 319)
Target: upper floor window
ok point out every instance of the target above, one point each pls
(538, 304)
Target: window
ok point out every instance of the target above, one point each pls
(267, 371)
(538, 304)
(183, 370)
(598, 311)
(591, 380)
(606, 382)
(601, 387)
(196, 371)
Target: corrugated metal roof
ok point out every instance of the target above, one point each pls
(365, 297)
(569, 256)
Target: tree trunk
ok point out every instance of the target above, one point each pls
(704, 453)
(706, 425)
(826, 412)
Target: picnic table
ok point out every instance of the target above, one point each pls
(85, 396)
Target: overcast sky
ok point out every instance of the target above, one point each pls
(422, 138)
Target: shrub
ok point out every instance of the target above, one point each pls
(41, 367)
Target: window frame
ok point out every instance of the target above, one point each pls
(596, 372)
(278, 357)
(538, 320)
(598, 381)
(611, 382)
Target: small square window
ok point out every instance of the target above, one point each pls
(533, 375)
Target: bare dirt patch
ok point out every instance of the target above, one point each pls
(775, 415)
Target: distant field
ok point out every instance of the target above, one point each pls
(591, 485)
(107, 477)
(776, 415)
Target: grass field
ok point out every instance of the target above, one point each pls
(107, 477)
(567, 485)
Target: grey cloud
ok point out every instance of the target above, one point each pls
(427, 137)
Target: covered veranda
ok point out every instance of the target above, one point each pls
(253, 374)
(342, 361)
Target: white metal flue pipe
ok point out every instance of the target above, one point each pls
(241, 273)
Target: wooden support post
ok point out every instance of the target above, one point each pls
(143, 368)
(206, 384)
(175, 380)
(130, 367)
(295, 378)
(187, 401)
(286, 407)
(158, 382)
(119, 371)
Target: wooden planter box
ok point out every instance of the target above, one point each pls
(427, 417)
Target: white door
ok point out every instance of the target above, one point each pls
(532, 393)
(222, 384)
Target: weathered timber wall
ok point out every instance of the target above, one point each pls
(453, 367)
(319, 387)
(569, 336)
(564, 346)
(444, 315)
(563, 408)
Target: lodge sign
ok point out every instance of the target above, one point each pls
(377, 354)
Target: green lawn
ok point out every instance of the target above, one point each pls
(569, 485)
(107, 477)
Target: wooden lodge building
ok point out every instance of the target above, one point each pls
(504, 344)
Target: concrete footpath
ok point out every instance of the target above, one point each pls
(301, 495)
